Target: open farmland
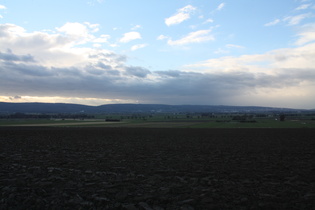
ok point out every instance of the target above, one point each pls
(162, 123)
(156, 168)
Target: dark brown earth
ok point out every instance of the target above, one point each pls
(147, 168)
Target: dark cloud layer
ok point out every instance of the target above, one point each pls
(9, 56)
(131, 82)
(137, 71)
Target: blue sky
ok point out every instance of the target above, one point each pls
(170, 52)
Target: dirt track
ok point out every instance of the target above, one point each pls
(133, 168)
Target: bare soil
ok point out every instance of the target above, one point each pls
(156, 168)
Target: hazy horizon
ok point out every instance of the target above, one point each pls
(220, 52)
(155, 104)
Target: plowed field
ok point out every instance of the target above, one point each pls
(156, 168)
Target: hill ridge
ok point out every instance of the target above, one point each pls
(38, 107)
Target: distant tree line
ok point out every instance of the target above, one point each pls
(20, 115)
(244, 118)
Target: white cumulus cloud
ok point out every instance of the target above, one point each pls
(73, 29)
(79, 32)
(47, 48)
(130, 36)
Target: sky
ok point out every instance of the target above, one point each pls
(198, 52)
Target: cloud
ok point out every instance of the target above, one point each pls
(43, 66)
(227, 48)
(16, 97)
(268, 63)
(46, 47)
(32, 69)
(69, 34)
(2, 7)
(136, 27)
(169, 73)
(8, 28)
(306, 34)
(221, 51)
(130, 36)
(193, 37)
(137, 71)
(208, 21)
(234, 46)
(181, 15)
(227, 80)
(71, 100)
(93, 2)
(15, 38)
(79, 32)
(162, 37)
(93, 27)
(272, 23)
(303, 6)
(138, 46)
(294, 20)
(74, 29)
(102, 39)
(220, 7)
(290, 20)
(9, 56)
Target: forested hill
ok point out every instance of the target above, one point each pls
(128, 108)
